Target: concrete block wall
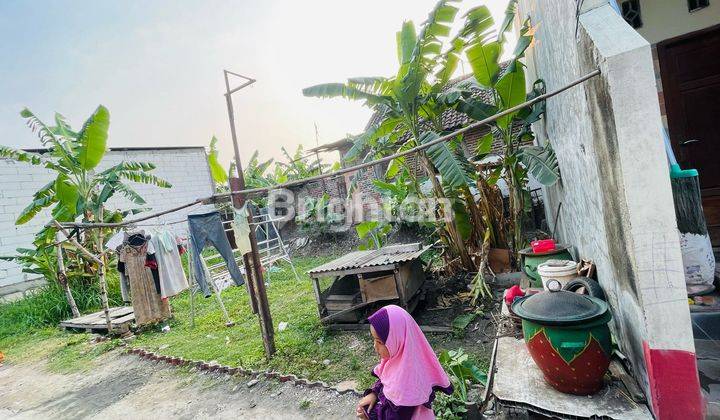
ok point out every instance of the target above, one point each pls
(185, 168)
(617, 206)
(18, 181)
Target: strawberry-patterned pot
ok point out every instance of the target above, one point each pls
(568, 338)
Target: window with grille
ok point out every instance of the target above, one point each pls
(694, 5)
(631, 12)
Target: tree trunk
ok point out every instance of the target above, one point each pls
(516, 211)
(514, 194)
(101, 272)
(476, 217)
(99, 260)
(63, 280)
(450, 225)
(491, 205)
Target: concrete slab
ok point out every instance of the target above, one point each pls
(519, 382)
(708, 363)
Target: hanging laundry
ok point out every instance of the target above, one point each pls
(124, 282)
(114, 244)
(151, 263)
(170, 270)
(207, 229)
(115, 241)
(241, 230)
(147, 303)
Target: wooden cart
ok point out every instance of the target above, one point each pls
(358, 279)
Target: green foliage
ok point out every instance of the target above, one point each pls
(219, 175)
(541, 163)
(508, 91)
(449, 164)
(373, 233)
(511, 90)
(463, 372)
(483, 60)
(42, 261)
(78, 191)
(462, 321)
(47, 306)
(510, 12)
(259, 173)
(417, 96)
(298, 166)
(92, 138)
(319, 217)
(255, 172)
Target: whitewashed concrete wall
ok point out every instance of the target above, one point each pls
(617, 206)
(185, 168)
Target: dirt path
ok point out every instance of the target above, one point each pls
(123, 386)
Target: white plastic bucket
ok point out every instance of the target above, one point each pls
(560, 270)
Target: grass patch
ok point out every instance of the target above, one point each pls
(304, 348)
(78, 354)
(47, 306)
(301, 348)
(64, 352)
(28, 327)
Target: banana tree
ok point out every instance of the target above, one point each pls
(506, 82)
(78, 189)
(255, 172)
(216, 169)
(411, 104)
(298, 166)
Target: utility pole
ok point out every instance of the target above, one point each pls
(256, 283)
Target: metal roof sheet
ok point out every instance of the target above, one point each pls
(372, 258)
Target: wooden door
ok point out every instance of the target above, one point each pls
(690, 71)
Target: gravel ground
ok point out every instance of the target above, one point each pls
(123, 386)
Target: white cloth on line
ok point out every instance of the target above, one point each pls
(172, 275)
(241, 230)
(116, 240)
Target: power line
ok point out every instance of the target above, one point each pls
(416, 149)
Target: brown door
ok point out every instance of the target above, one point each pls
(690, 71)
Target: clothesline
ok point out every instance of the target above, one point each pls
(441, 139)
(161, 224)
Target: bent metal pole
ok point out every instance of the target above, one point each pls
(444, 138)
(256, 283)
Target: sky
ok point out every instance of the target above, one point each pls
(158, 67)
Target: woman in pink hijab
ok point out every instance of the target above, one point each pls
(408, 374)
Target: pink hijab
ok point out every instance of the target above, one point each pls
(411, 372)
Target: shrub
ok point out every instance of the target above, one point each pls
(47, 306)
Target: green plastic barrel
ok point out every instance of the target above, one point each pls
(530, 261)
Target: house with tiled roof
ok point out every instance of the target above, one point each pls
(363, 188)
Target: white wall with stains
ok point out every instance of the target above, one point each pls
(617, 207)
(185, 168)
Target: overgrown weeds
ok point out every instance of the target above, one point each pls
(463, 372)
(47, 306)
(304, 348)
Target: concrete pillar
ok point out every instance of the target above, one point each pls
(640, 216)
(617, 205)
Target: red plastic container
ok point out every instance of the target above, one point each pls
(543, 245)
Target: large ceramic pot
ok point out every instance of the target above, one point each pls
(530, 261)
(568, 338)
